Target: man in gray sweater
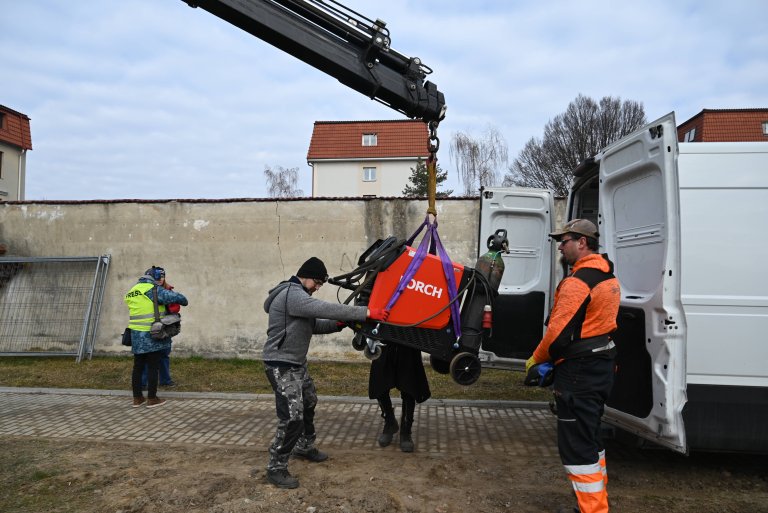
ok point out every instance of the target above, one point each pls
(294, 316)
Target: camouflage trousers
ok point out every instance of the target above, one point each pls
(295, 401)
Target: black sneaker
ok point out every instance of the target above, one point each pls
(170, 384)
(314, 455)
(282, 478)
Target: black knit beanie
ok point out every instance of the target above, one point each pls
(313, 268)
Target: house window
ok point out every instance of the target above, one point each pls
(2, 119)
(369, 174)
(1, 165)
(369, 140)
(765, 127)
(690, 135)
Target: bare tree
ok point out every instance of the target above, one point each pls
(585, 128)
(283, 182)
(478, 160)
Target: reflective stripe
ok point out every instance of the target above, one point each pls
(603, 467)
(583, 470)
(606, 347)
(589, 486)
(597, 486)
(146, 316)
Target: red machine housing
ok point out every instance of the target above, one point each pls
(425, 295)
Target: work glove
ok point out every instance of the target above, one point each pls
(541, 374)
(378, 314)
(530, 362)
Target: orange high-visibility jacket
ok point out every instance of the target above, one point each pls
(586, 306)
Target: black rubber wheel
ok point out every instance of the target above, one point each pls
(358, 341)
(465, 368)
(372, 355)
(439, 366)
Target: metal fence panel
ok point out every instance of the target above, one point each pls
(50, 306)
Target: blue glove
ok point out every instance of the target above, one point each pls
(546, 374)
(540, 374)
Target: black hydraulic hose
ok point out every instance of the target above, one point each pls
(374, 260)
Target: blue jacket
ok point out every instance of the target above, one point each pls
(141, 341)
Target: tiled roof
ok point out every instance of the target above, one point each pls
(15, 129)
(343, 139)
(726, 125)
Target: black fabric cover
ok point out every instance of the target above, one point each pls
(398, 367)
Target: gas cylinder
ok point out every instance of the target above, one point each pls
(476, 315)
(491, 266)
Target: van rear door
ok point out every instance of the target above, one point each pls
(639, 223)
(525, 292)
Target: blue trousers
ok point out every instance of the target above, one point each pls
(164, 368)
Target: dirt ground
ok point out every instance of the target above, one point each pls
(118, 477)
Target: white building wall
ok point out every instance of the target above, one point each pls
(13, 165)
(345, 178)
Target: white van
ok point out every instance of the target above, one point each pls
(685, 225)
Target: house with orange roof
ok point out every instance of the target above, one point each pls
(365, 158)
(725, 125)
(15, 140)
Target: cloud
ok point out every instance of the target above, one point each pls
(150, 99)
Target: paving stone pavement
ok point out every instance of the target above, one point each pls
(441, 426)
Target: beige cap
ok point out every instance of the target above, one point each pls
(580, 226)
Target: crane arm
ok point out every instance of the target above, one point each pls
(340, 43)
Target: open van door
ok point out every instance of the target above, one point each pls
(638, 215)
(525, 292)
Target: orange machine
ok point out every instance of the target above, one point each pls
(425, 298)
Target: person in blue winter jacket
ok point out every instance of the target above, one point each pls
(146, 350)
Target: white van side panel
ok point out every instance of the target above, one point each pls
(724, 213)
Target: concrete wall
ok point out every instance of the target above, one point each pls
(225, 255)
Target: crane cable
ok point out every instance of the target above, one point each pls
(432, 146)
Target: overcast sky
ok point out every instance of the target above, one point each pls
(152, 99)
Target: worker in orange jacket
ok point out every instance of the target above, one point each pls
(578, 341)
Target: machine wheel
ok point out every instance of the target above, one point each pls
(358, 341)
(372, 355)
(438, 365)
(465, 368)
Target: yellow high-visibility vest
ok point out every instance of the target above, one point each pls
(141, 308)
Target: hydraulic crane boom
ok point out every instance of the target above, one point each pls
(342, 44)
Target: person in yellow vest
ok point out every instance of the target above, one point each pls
(146, 350)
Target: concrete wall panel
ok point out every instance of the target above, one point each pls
(225, 255)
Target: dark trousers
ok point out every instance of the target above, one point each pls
(152, 362)
(165, 369)
(581, 388)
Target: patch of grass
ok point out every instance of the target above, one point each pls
(32, 482)
(199, 374)
(39, 475)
